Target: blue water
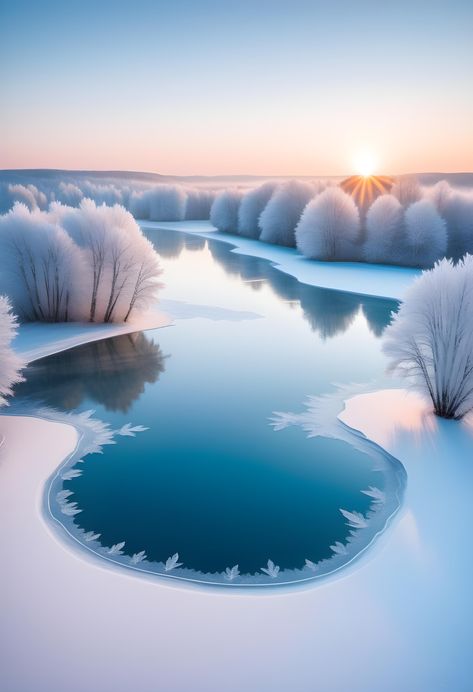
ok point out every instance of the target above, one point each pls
(210, 479)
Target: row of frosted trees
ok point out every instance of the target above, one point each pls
(86, 263)
(160, 202)
(410, 226)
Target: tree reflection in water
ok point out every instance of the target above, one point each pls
(111, 372)
(171, 244)
(327, 311)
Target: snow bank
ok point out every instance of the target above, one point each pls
(36, 340)
(366, 279)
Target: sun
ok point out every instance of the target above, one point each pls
(365, 164)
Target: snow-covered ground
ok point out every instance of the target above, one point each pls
(39, 339)
(367, 279)
(400, 618)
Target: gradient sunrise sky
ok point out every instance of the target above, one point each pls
(269, 87)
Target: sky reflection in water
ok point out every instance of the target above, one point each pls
(211, 479)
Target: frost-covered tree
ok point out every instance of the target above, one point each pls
(87, 263)
(426, 235)
(224, 211)
(457, 210)
(29, 195)
(384, 230)
(40, 265)
(143, 284)
(251, 207)
(329, 228)
(121, 264)
(139, 205)
(407, 190)
(167, 203)
(439, 194)
(68, 193)
(199, 203)
(430, 341)
(159, 203)
(103, 193)
(281, 215)
(10, 364)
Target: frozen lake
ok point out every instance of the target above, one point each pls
(210, 479)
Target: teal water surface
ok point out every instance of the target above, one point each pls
(209, 478)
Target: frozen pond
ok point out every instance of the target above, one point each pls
(210, 481)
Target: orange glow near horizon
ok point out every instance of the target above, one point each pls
(365, 189)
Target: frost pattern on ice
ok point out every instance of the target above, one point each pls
(271, 569)
(232, 572)
(172, 562)
(320, 418)
(355, 519)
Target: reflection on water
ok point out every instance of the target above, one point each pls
(207, 477)
(112, 372)
(328, 312)
(172, 244)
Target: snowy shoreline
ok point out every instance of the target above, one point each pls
(381, 281)
(37, 340)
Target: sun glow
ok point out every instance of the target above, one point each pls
(365, 164)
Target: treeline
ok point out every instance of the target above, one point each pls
(90, 263)
(159, 202)
(409, 226)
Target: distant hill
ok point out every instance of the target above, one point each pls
(456, 179)
(464, 179)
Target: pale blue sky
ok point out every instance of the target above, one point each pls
(245, 87)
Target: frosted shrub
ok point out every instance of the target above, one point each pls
(103, 193)
(167, 203)
(281, 215)
(430, 341)
(224, 211)
(139, 205)
(458, 214)
(121, 264)
(329, 228)
(252, 204)
(199, 203)
(87, 263)
(384, 230)
(407, 190)
(159, 203)
(29, 195)
(40, 265)
(9, 361)
(426, 235)
(70, 194)
(439, 194)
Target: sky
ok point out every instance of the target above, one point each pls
(220, 87)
